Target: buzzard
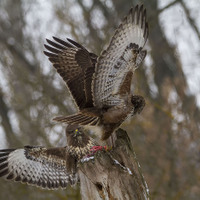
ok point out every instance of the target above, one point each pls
(48, 168)
(101, 86)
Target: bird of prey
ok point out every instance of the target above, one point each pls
(48, 168)
(101, 86)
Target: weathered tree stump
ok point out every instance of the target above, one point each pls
(113, 174)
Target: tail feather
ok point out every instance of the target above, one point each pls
(93, 121)
(79, 118)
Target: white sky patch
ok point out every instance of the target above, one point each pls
(76, 14)
(54, 109)
(40, 18)
(88, 3)
(3, 143)
(180, 33)
(6, 90)
(14, 122)
(33, 112)
(173, 97)
(163, 3)
(58, 128)
(3, 81)
(4, 15)
(98, 18)
(76, 11)
(178, 116)
(98, 21)
(57, 81)
(193, 6)
(56, 135)
(108, 3)
(148, 70)
(69, 102)
(36, 95)
(41, 23)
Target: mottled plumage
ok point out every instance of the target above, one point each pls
(76, 66)
(78, 146)
(101, 86)
(48, 168)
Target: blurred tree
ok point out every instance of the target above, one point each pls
(165, 136)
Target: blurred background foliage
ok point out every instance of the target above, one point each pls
(165, 136)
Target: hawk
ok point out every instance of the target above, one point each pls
(101, 86)
(48, 168)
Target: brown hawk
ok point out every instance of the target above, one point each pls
(101, 86)
(48, 168)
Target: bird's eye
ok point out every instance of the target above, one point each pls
(76, 131)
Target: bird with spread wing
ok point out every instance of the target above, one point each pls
(101, 86)
(48, 168)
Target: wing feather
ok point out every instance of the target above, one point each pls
(126, 86)
(121, 56)
(71, 61)
(79, 118)
(38, 166)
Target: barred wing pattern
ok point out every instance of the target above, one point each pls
(123, 54)
(38, 166)
(75, 65)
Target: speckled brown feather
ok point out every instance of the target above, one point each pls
(72, 61)
(38, 166)
(121, 56)
(48, 168)
(79, 145)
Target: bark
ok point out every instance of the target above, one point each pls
(113, 174)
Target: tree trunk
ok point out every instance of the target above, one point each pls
(113, 174)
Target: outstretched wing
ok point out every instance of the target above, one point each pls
(123, 55)
(38, 166)
(75, 65)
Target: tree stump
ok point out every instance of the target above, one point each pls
(113, 175)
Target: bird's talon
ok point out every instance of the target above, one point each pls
(94, 149)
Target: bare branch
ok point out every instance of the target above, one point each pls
(191, 21)
(168, 6)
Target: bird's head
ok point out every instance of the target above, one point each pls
(76, 136)
(74, 131)
(138, 103)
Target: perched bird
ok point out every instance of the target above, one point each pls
(48, 168)
(101, 86)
